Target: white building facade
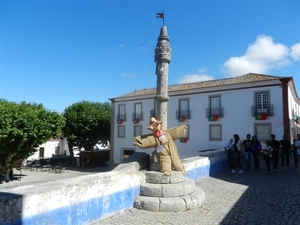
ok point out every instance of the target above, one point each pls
(51, 147)
(213, 111)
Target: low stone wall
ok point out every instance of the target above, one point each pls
(206, 164)
(83, 199)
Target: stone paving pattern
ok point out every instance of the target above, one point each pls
(251, 198)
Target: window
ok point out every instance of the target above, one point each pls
(137, 115)
(42, 152)
(215, 132)
(121, 116)
(183, 110)
(137, 130)
(214, 108)
(153, 112)
(261, 102)
(121, 131)
(262, 131)
(122, 112)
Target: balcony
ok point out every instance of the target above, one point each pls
(217, 112)
(120, 118)
(257, 109)
(182, 115)
(137, 117)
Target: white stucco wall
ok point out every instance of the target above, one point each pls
(236, 102)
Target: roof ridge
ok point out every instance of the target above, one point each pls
(245, 78)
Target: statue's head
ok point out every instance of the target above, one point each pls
(155, 125)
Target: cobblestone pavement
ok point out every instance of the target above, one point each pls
(251, 198)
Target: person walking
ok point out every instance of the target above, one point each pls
(268, 155)
(285, 146)
(247, 143)
(236, 154)
(256, 148)
(275, 155)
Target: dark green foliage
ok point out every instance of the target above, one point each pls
(23, 127)
(87, 123)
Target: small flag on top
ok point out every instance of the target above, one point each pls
(160, 15)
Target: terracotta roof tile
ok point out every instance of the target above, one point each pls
(247, 78)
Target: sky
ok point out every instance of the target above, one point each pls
(60, 52)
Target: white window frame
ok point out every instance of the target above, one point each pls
(215, 132)
(138, 112)
(121, 131)
(215, 105)
(262, 101)
(184, 107)
(263, 131)
(137, 130)
(122, 112)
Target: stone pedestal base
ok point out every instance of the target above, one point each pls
(172, 193)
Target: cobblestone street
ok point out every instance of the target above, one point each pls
(251, 198)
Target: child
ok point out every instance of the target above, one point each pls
(268, 155)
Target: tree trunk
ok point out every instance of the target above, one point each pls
(7, 166)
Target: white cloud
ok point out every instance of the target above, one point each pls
(198, 77)
(295, 52)
(261, 56)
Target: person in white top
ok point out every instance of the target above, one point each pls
(268, 155)
(297, 145)
(228, 149)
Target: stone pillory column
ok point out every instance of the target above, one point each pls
(162, 60)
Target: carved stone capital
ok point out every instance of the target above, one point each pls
(161, 98)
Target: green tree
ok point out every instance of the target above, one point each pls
(86, 123)
(23, 127)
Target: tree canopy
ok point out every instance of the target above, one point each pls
(86, 124)
(23, 127)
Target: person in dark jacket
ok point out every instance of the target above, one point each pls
(285, 146)
(275, 144)
(256, 148)
(248, 151)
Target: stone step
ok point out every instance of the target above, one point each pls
(168, 190)
(173, 204)
(159, 178)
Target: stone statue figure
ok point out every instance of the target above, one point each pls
(163, 141)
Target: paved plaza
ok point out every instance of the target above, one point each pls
(251, 198)
(35, 177)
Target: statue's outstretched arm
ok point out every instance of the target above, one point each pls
(145, 141)
(178, 132)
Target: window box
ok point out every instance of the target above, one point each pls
(120, 121)
(260, 116)
(213, 117)
(183, 140)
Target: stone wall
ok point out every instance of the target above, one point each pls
(90, 197)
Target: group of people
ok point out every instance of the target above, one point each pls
(251, 147)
